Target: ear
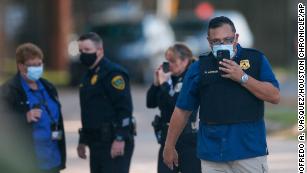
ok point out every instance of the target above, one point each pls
(186, 61)
(209, 42)
(237, 37)
(236, 41)
(100, 52)
(20, 67)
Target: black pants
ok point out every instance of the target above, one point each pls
(188, 162)
(101, 161)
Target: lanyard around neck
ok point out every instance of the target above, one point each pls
(39, 94)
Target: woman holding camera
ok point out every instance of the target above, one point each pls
(163, 94)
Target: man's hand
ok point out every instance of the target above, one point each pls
(118, 148)
(34, 115)
(170, 157)
(261, 89)
(81, 151)
(232, 69)
(178, 121)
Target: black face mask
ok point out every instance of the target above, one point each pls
(88, 59)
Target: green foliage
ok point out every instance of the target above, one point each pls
(284, 116)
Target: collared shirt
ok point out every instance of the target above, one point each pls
(229, 142)
(105, 97)
(47, 150)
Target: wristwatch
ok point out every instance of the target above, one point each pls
(244, 78)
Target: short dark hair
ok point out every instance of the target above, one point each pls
(94, 37)
(219, 21)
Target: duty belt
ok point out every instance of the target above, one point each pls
(103, 134)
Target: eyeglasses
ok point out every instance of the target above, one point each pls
(34, 65)
(227, 40)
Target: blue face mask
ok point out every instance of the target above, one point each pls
(34, 72)
(228, 47)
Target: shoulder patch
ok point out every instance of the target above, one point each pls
(118, 82)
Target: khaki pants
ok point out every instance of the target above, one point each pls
(252, 165)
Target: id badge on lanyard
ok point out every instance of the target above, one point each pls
(56, 133)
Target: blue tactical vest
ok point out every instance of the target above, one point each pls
(224, 101)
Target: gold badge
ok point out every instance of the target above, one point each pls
(94, 79)
(118, 82)
(244, 64)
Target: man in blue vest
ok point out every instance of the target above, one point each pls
(231, 94)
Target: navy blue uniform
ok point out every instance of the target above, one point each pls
(106, 114)
(164, 97)
(235, 138)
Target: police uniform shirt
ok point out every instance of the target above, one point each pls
(165, 96)
(229, 142)
(110, 82)
(119, 90)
